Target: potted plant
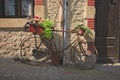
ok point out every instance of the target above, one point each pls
(87, 33)
(48, 27)
(83, 30)
(40, 26)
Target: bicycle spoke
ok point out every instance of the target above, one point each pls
(88, 60)
(34, 50)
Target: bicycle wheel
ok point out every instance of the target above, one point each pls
(82, 57)
(34, 49)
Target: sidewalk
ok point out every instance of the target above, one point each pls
(12, 70)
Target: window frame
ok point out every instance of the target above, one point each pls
(18, 9)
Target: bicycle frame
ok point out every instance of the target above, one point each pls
(75, 41)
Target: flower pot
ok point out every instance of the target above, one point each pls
(36, 29)
(81, 31)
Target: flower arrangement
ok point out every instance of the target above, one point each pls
(41, 27)
(83, 30)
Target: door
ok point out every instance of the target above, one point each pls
(107, 31)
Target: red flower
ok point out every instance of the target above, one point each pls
(36, 17)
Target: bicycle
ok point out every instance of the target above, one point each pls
(39, 49)
(82, 53)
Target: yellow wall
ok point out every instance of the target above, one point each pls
(90, 12)
(39, 11)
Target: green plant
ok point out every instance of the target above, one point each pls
(85, 30)
(47, 24)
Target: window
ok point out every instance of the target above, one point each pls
(16, 8)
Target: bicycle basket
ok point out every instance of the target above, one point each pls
(36, 29)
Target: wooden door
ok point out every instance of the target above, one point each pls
(107, 32)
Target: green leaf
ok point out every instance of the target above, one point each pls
(47, 24)
(48, 33)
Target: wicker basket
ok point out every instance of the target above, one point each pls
(55, 59)
(36, 29)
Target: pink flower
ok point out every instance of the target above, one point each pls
(81, 31)
(42, 20)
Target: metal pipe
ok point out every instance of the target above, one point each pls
(64, 27)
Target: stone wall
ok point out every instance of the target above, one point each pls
(10, 41)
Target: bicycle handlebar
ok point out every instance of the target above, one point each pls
(68, 31)
(78, 31)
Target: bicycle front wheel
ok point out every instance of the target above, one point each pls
(34, 49)
(83, 57)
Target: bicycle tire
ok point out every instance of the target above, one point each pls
(72, 53)
(80, 57)
(34, 52)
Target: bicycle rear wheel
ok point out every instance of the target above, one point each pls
(82, 57)
(34, 49)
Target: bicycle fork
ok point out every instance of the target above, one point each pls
(36, 47)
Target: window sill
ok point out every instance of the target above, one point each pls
(12, 23)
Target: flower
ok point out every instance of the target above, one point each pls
(36, 17)
(83, 30)
(45, 24)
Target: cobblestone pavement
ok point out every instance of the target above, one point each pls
(12, 70)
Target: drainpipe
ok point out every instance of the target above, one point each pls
(64, 27)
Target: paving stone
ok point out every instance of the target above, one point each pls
(18, 71)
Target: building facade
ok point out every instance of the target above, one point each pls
(14, 12)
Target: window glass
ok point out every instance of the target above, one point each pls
(1, 8)
(26, 7)
(9, 7)
(16, 8)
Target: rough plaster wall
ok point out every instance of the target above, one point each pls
(75, 12)
(9, 42)
(75, 16)
(53, 11)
